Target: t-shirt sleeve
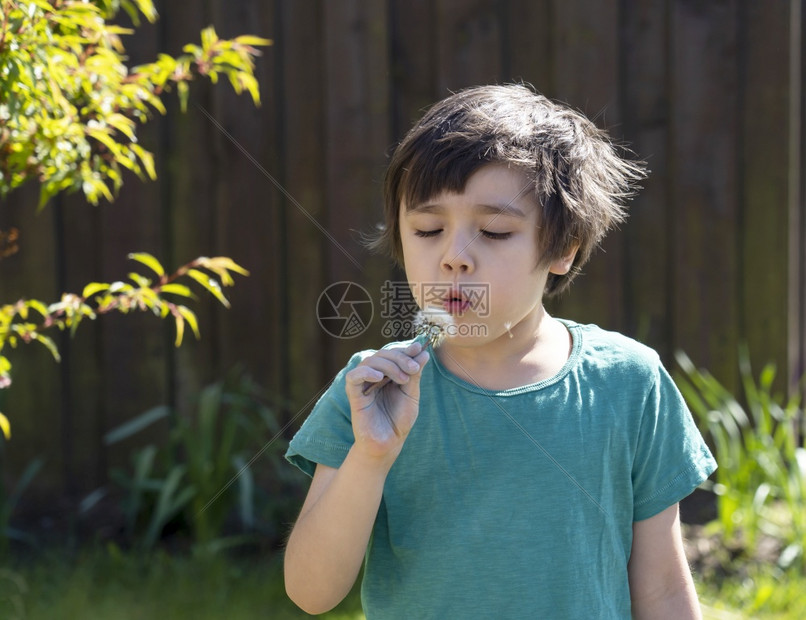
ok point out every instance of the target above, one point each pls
(327, 434)
(671, 458)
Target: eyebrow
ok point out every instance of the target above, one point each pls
(491, 209)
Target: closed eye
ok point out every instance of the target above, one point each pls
(499, 236)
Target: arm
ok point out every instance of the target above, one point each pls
(660, 580)
(327, 545)
(328, 542)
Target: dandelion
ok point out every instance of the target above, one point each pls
(432, 324)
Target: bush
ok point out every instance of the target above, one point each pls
(203, 481)
(760, 485)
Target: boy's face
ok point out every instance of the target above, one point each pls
(476, 255)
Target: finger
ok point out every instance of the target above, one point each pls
(414, 348)
(369, 388)
(412, 388)
(422, 358)
(360, 375)
(396, 365)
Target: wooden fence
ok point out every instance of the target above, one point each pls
(709, 93)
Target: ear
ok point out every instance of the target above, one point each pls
(563, 265)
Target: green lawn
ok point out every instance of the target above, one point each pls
(109, 585)
(112, 586)
(760, 596)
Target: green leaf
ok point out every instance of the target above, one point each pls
(171, 500)
(122, 124)
(146, 158)
(182, 91)
(140, 280)
(41, 4)
(210, 284)
(51, 346)
(135, 425)
(190, 317)
(120, 287)
(246, 491)
(147, 8)
(149, 261)
(223, 262)
(180, 329)
(247, 39)
(92, 288)
(38, 306)
(28, 474)
(105, 139)
(176, 289)
(5, 426)
(208, 38)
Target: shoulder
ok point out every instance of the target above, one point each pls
(614, 353)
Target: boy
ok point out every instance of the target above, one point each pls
(528, 467)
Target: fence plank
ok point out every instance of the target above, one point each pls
(356, 139)
(31, 403)
(412, 64)
(192, 180)
(81, 404)
(797, 197)
(468, 46)
(526, 43)
(644, 83)
(704, 195)
(585, 56)
(764, 91)
(301, 50)
(414, 72)
(133, 349)
(247, 219)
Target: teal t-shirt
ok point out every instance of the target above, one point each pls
(520, 503)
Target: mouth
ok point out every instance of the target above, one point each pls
(455, 303)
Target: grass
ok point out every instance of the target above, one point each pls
(762, 595)
(109, 585)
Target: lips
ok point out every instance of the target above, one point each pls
(456, 303)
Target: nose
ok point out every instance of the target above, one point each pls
(458, 257)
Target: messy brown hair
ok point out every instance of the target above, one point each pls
(579, 178)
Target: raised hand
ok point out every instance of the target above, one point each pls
(382, 418)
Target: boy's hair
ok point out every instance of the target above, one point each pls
(576, 175)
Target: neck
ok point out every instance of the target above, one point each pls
(533, 350)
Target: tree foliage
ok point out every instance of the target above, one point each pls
(69, 106)
(69, 112)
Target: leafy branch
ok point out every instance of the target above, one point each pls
(69, 106)
(26, 320)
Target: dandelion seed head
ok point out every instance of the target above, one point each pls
(433, 324)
